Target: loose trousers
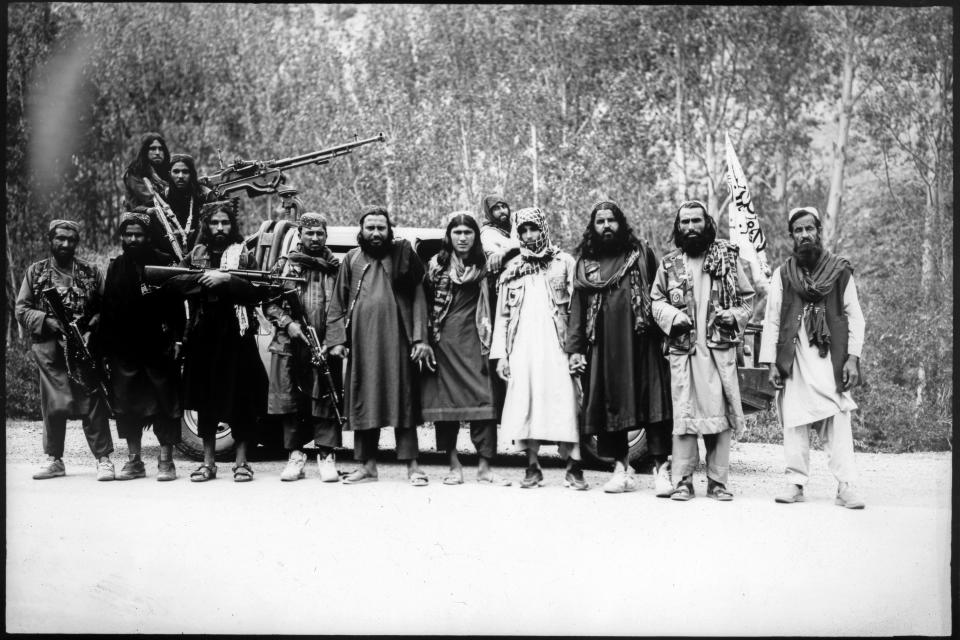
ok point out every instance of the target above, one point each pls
(167, 430)
(686, 456)
(483, 434)
(836, 434)
(298, 431)
(366, 444)
(96, 428)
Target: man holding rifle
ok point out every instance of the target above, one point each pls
(224, 379)
(299, 392)
(65, 285)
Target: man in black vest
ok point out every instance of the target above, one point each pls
(812, 338)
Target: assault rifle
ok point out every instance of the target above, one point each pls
(156, 275)
(317, 357)
(168, 219)
(258, 177)
(86, 374)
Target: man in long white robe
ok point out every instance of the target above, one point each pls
(528, 342)
(702, 300)
(814, 375)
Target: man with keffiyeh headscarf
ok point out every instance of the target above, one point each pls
(612, 339)
(297, 392)
(702, 300)
(529, 334)
(137, 337)
(62, 394)
(223, 377)
(812, 338)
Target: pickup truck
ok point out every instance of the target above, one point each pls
(275, 239)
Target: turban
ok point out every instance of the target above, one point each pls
(801, 211)
(131, 217)
(312, 220)
(69, 224)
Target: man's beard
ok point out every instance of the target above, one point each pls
(314, 251)
(372, 250)
(63, 255)
(808, 254)
(610, 245)
(136, 252)
(219, 241)
(694, 243)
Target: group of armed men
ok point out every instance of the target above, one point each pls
(500, 327)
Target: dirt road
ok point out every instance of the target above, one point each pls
(305, 557)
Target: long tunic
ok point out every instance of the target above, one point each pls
(541, 401)
(461, 388)
(59, 395)
(626, 383)
(381, 386)
(704, 385)
(810, 393)
(223, 375)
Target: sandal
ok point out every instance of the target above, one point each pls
(419, 479)
(359, 475)
(683, 492)
(242, 473)
(495, 480)
(453, 478)
(203, 473)
(719, 492)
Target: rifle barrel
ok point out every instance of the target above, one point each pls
(332, 152)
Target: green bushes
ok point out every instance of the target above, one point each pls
(23, 389)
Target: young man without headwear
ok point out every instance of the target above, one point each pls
(298, 392)
(702, 300)
(813, 334)
(613, 341)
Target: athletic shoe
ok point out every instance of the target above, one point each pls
(132, 469)
(105, 470)
(294, 469)
(50, 469)
(533, 478)
(166, 471)
(662, 487)
(847, 497)
(328, 468)
(792, 493)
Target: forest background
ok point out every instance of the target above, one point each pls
(849, 109)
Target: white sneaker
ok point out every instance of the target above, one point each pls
(294, 469)
(629, 482)
(847, 497)
(328, 468)
(616, 483)
(662, 486)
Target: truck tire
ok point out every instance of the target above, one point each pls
(191, 445)
(638, 456)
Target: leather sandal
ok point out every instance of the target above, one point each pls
(203, 473)
(683, 492)
(719, 492)
(242, 473)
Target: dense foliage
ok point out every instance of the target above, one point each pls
(846, 108)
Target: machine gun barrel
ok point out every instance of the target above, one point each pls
(323, 155)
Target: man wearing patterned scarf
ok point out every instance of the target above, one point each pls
(495, 235)
(223, 376)
(612, 340)
(137, 336)
(529, 334)
(812, 338)
(297, 393)
(702, 299)
(63, 396)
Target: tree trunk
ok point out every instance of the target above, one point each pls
(535, 158)
(679, 155)
(831, 221)
(713, 200)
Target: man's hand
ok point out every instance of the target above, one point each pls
(503, 369)
(339, 351)
(577, 364)
(775, 379)
(213, 277)
(851, 373)
(681, 324)
(726, 318)
(495, 261)
(295, 331)
(423, 353)
(52, 325)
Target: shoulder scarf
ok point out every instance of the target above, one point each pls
(525, 265)
(721, 263)
(587, 278)
(812, 288)
(441, 283)
(231, 260)
(325, 263)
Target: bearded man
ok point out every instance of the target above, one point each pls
(378, 316)
(495, 234)
(813, 334)
(61, 396)
(224, 379)
(137, 337)
(702, 300)
(614, 343)
(529, 334)
(187, 196)
(297, 392)
(151, 164)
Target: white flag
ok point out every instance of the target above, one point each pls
(745, 228)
